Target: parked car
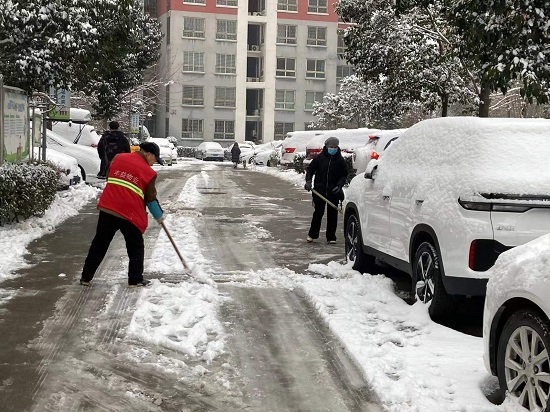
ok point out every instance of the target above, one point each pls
(87, 158)
(165, 149)
(69, 172)
(210, 151)
(268, 154)
(378, 143)
(350, 140)
(247, 151)
(446, 199)
(77, 133)
(294, 144)
(516, 324)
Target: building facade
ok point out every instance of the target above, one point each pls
(245, 69)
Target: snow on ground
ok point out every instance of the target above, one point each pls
(411, 363)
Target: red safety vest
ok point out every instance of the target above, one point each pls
(129, 175)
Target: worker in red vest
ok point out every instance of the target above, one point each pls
(130, 187)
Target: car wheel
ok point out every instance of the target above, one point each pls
(523, 360)
(354, 246)
(427, 282)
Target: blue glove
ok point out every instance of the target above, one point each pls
(336, 190)
(156, 210)
(307, 186)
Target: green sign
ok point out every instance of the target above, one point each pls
(15, 114)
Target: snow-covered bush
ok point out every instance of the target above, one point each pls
(299, 163)
(26, 190)
(186, 151)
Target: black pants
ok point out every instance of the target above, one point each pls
(332, 218)
(107, 226)
(103, 167)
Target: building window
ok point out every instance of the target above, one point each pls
(225, 64)
(316, 36)
(193, 95)
(167, 98)
(286, 67)
(191, 129)
(226, 97)
(195, 1)
(287, 5)
(193, 27)
(281, 129)
(343, 71)
(341, 48)
(312, 97)
(286, 34)
(232, 3)
(193, 62)
(224, 129)
(315, 69)
(226, 29)
(317, 6)
(285, 99)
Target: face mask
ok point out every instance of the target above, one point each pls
(332, 150)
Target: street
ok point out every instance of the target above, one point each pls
(66, 347)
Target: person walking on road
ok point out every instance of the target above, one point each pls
(330, 171)
(130, 187)
(112, 142)
(235, 154)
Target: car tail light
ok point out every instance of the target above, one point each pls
(374, 155)
(484, 253)
(495, 207)
(311, 153)
(472, 255)
(373, 136)
(290, 149)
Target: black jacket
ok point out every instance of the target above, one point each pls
(330, 171)
(235, 153)
(112, 142)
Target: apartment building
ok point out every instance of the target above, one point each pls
(245, 69)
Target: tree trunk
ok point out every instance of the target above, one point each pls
(484, 96)
(444, 105)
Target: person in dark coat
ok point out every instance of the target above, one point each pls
(235, 154)
(330, 171)
(112, 142)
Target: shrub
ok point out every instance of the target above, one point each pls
(299, 163)
(349, 164)
(186, 151)
(26, 190)
(274, 159)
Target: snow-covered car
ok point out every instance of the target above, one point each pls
(516, 324)
(268, 154)
(210, 151)
(83, 134)
(247, 151)
(447, 199)
(350, 140)
(378, 143)
(295, 144)
(69, 172)
(87, 158)
(165, 149)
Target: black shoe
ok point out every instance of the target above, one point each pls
(141, 284)
(85, 282)
(331, 242)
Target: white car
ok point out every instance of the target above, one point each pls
(446, 199)
(87, 157)
(378, 143)
(165, 149)
(294, 145)
(268, 154)
(83, 134)
(516, 324)
(350, 140)
(248, 150)
(69, 172)
(210, 151)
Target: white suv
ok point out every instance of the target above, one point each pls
(446, 199)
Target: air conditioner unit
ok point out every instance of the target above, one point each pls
(254, 47)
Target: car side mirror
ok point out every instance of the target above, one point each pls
(371, 169)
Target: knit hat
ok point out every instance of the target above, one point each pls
(332, 141)
(152, 148)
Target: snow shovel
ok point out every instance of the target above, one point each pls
(196, 272)
(328, 201)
